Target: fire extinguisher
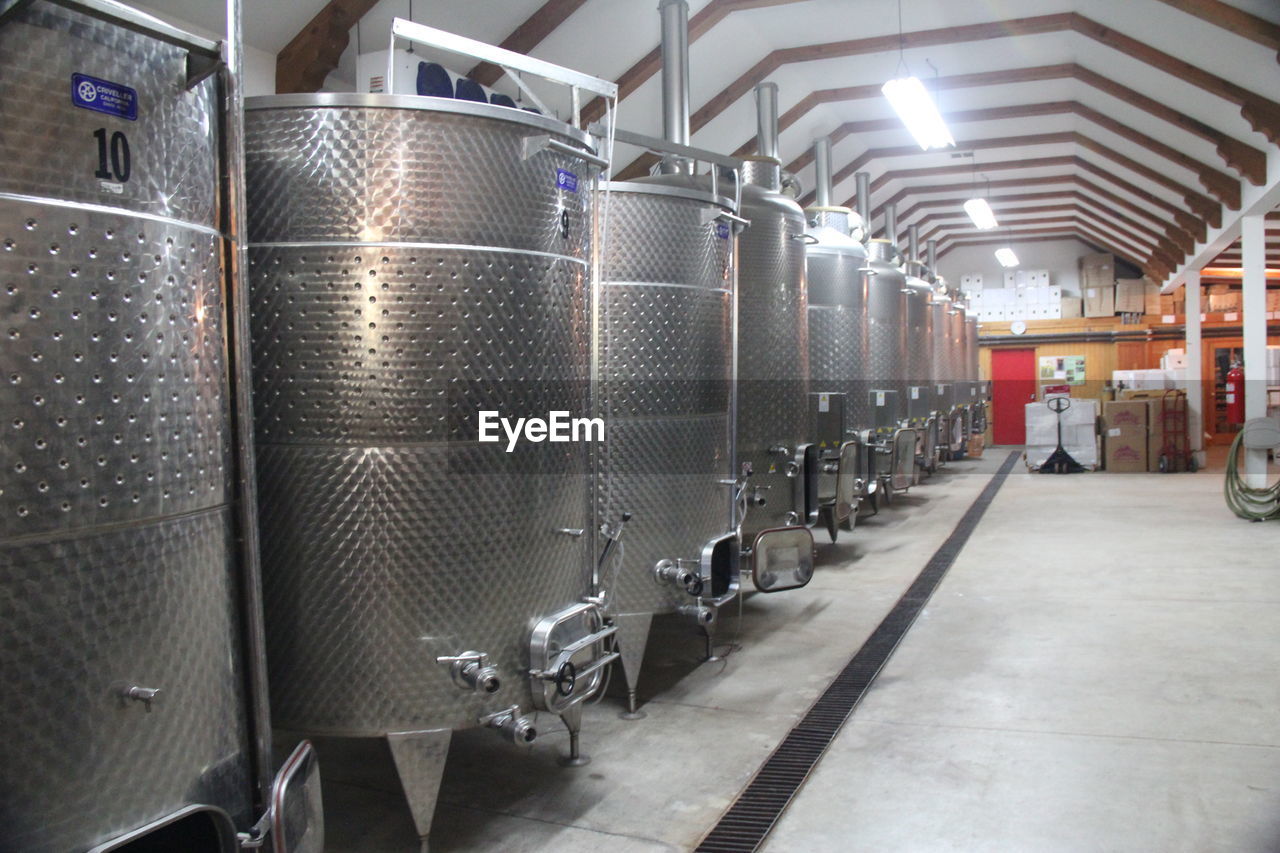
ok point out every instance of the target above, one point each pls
(1235, 394)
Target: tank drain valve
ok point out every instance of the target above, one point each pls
(756, 496)
(472, 671)
(145, 695)
(831, 467)
(511, 725)
(700, 613)
(779, 450)
(677, 574)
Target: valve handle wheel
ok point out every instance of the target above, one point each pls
(566, 678)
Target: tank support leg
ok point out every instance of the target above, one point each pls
(633, 636)
(572, 719)
(419, 758)
(709, 637)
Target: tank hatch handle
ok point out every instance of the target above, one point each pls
(137, 693)
(536, 144)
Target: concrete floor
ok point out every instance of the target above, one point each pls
(1099, 670)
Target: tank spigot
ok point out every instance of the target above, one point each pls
(672, 572)
(511, 725)
(145, 695)
(756, 498)
(779, 450)
(700, 613)
(472, 671)
(831, 467)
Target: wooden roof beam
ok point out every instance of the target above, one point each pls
(1177, 239)
(1249, 162)
(1074, 201)
(307, 59)
(1233, 20)
(1262, 114)
(1225, 188)
(527, 36)
(1204, 207)
(1194, 228)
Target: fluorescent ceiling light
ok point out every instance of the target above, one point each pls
(913, 105)
(980, 212)
(1006, 257)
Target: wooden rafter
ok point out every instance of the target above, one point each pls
(1194, 227)
(1080, 229)
(1016, 215)
(1138, 249)
(1262, 113)
(1249, 162)
(702, 21)
(528, 35)
(1233, 20)
(314, 52)
(1203, 206)
(1225, 188)
(1164, 246)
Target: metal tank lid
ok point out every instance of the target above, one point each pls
(425, 104)
(829, 226)
(662, 185)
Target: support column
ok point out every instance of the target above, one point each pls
(1254, 315)
(1195, 368)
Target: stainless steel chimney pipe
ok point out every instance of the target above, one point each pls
(822, 170)
(913, 244)
(891, 224)
(767, 119)
(931, 252)
(675, 78)
(863, 199)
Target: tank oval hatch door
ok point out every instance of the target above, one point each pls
(904, 459)
(195, 827)
(848, 485)
(782, 559)
(808, 460)
(568, 653)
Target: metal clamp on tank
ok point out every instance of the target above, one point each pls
(679, 572)
(511, 725)
(472, 671)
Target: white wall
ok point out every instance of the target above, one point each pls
(1057, 256)
(259, 65)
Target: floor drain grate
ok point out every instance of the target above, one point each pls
(744, 826)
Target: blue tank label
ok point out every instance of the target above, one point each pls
(566, 180)
(104, 96)
(722, 230)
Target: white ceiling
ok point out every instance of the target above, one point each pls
(606, 37)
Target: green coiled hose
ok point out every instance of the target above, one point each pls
(1245, 501)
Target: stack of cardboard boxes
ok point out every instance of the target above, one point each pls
(1134, 430)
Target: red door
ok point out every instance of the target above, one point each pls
(1013, 385)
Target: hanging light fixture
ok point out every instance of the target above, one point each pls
(981, 214)
(911, 101)
(1006, 257)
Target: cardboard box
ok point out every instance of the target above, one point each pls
(1100, 301)
(1151, 299)
(1273, 300)
(1171, 303)
(1224, 302)
(1072, 307)
(976, 445)
(1131, 295)
(1125, 414)
(1097, 271)
(1125, 449)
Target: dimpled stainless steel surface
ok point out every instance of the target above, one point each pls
(666, 353)
(116, 544)
(919, 342)
(972, 369)
(940, 309)
(390, 534)
(773, 344)
(886, 331)
(838, 351)
(956, 366)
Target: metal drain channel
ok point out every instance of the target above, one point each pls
(744, 826)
